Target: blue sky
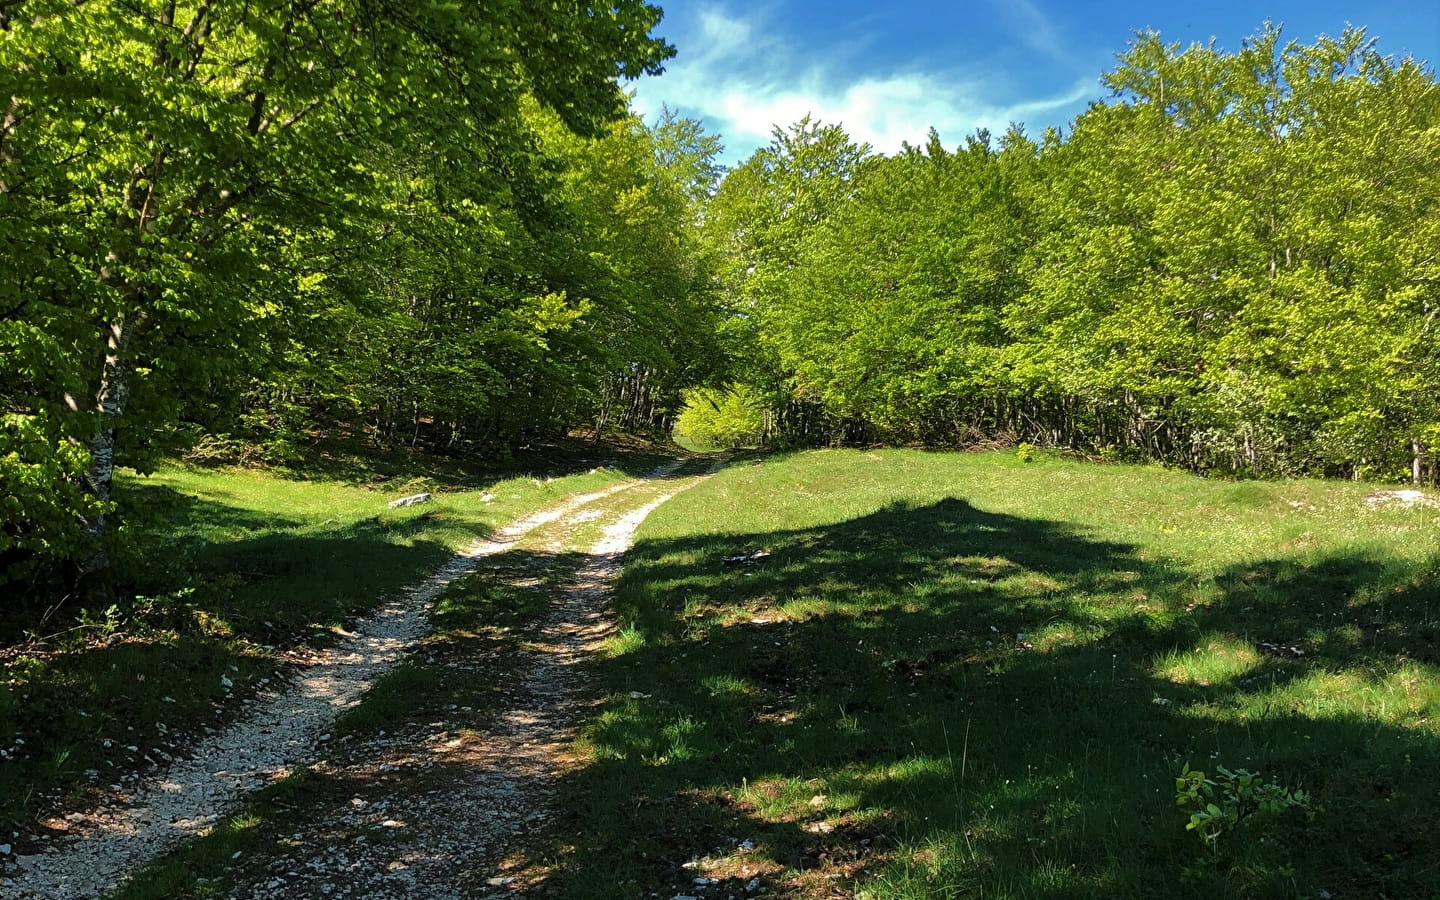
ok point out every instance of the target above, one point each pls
(888, 71)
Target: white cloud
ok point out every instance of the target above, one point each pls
(1031, 26)
(723, 35)
(743, 80)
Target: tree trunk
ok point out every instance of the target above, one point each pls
(96, 583)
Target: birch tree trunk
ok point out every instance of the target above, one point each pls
(96, 583)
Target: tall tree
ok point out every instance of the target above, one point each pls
(757, 222)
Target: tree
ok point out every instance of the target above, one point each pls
(897, 299)
(1229, 266)
(757, 223)
(633, 252)
(161, 164)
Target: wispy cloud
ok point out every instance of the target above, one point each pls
(1031, 26)
(743, 78)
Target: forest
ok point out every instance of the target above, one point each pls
(239, 231)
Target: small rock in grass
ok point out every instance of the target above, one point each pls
(1405, 498)
(745, 557)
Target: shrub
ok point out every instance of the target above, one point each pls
(727, 418)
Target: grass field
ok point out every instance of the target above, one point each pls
(226, 571)
(968, 675)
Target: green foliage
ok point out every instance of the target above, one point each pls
(757, 223)
(263, 221)
(41, 502)
(1229, 266)
(727, 419)
(1220, 804)
(634, 253)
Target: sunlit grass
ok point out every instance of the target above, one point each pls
(991, 672)
(1217, 658)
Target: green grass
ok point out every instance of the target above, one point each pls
(966, 675)
(480, 626)
(223, 571)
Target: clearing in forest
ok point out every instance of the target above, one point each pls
(925, 675)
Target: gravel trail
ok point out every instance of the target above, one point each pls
(283, 730)
(440, 810)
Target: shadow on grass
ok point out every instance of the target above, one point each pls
(943, 701)
(268, 576)
(211, 613)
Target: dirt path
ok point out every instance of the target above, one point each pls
(504, 770)
(438, 808)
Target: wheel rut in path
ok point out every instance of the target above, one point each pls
(283, 729)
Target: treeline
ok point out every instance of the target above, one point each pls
(241, 225)
(1233, 265)
(237, 227)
